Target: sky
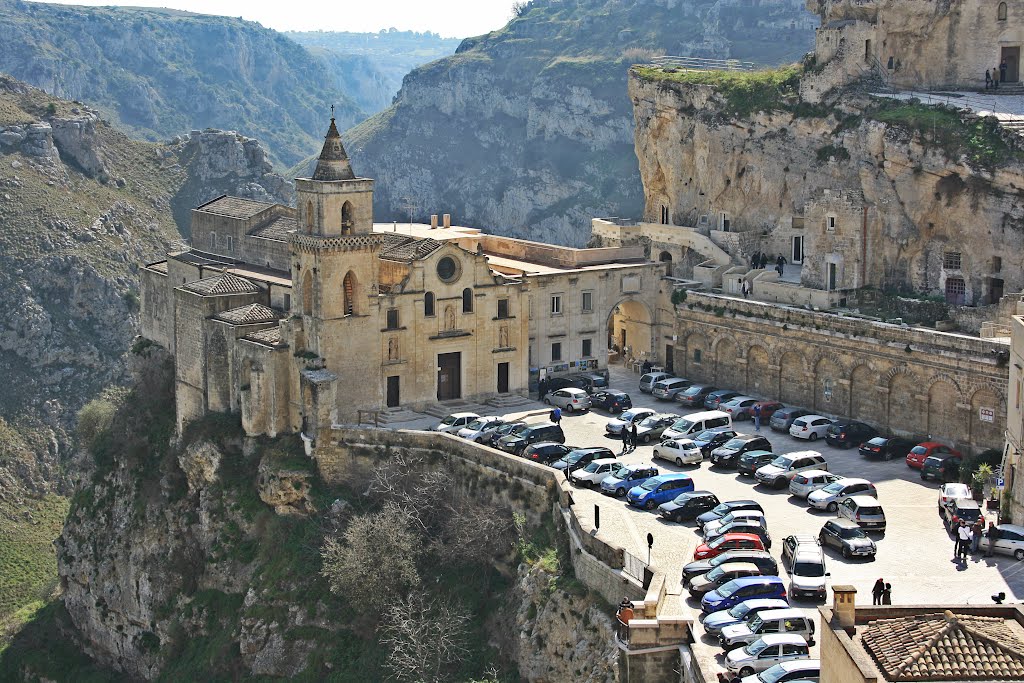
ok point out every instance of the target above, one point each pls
(450, 18)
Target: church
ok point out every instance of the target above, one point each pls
(298, 318)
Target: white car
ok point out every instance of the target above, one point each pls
(454, 422)
(793, 670)
(1010, 541)
(810, 427)
(629, 417)
(950, 493)
(786, 466)
(711, 529)
(831, 496)
(766, 652)
(679, 451)
(595, 472)
(805, 483)
(475, 429)
(569, 399)
(807, 574)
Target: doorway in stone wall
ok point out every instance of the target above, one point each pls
(797, 255)
(1011, 55)
(449, 376)
(502, 378)
(393, 388)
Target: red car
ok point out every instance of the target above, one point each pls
(705, 551)
(922, 451)
(768, 409)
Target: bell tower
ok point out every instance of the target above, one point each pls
(334, 202)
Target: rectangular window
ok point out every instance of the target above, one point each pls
(230, 241)
(830, 224)
(213, 240)
(392, 318)
(556, 351)
(588, 302)
(587, 348)
(556, 304)
(951, 260)
(997, 264)
(696, 355)
(287, 302)
(503, 308)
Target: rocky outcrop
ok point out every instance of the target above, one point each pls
(78, 143)
(526, 131)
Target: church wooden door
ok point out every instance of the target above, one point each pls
(449, 376)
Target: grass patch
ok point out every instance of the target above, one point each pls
(28, 563)
(745, 92)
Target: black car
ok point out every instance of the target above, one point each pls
(782, 419)
(728, 454)
(504, 430)
(546, 452)
(751, 460)
(881, 447)
(846, 536)
(717, 398)
(694, 395)
(722, 509)
(611, 400)
(765, 562)
(592, 381)
(846, 433)
(535, 433)
(556, 383)
(710, 439)
(943, 467)
(581, 457)
(688, 505)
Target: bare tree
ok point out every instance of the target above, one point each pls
(424, 637)
(519, 8)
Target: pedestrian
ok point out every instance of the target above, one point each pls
(993, 536)
(745, 290)
(625, 439)
(1002, 71)
(988, 79)
(542, 388)
(995, 78)
(757, 417)
(633, 439)
(887, 594)
(761, 260)
(976, 531)
(556, 415)
(755, 259)
(876, 592)
(964, 534)
(646, 366)
(780, 264)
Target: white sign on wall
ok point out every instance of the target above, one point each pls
(987, 414)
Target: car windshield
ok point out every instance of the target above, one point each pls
(834, 487)
(650, 484)
(918, 450)
(755, 623)
(877, 441)
(721, 509)
(870, 511)
(620, 471)
(692, 391)
(932, 461)
(777, 673)
(592, 467)
(809, 569)
(574, 458)
(685, 425)
(728, 589)
(718, 541)
(970, 514)
(799, 423)
(852, 532)
(734, 444)
(715, 573)
(728, 519)
(627, 416)
(739, 611)
(477, 424)
(450, 420)
(756, 647)
(650, 421)
(782, 461)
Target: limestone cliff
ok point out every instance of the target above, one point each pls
(527, 130)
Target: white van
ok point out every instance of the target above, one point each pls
(695, 423)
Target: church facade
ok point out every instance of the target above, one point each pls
(300, 318)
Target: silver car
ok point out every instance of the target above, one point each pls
(627, 419)
(569, 399)
(652, 427)
(808, 481)
(1010, 541)
(766, 652)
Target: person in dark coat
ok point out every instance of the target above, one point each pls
(755, 259)
(887, 594)
(1002, 71)
(543, 388)
(876, 592)
(993, 536)
(780, 264)
(646, 367)
(988, 79)
(633, 438)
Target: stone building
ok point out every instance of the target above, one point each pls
(1012, 509)
(299, 318)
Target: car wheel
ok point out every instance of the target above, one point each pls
(832, 507)
(619, 493)
(780, 483)
(646, 438)
(649, 505)
(846, 553)
(547, 400)
(746, 671)
(679, 462)
(923, 477)
(812, 437)
(1018, 554)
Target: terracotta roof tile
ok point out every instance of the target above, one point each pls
(249, 315)
(225, 283)
(234, 207)
(278, 229)
(405, 248)
(270, 337)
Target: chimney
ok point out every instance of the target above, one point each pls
(447, 220)
(433, 221)
(844, 606)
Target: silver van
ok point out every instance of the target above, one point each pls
(647, 381)
(790, 621)
(866, 511)
(666, 389)
(695, 423)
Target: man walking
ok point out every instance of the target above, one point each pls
(976, 531)
(887, 594)
(988, 79)
(780, 264)
(964, 536)
(633, 438)
(1002, 71)
(745, 290)
(543, 388)
(876, 592)
(757, 417)
(625, 439)
(993, 536)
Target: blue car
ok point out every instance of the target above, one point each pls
(658, 490)
(626, 478)
(739, 590)
(745, 611)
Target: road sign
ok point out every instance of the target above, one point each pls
(1000, 483)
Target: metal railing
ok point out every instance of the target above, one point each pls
(703, 64)
(993, 330)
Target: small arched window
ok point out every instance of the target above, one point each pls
(1001, 12)
(350, 294)
(428, 304)
(307, 294)
(467, 300)
(309, 218)
(346, 218)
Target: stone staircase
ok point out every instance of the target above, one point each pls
(444, 408)
(398, 415)
(510, 402)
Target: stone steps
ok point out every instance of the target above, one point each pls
(398, 415)
(509, 401)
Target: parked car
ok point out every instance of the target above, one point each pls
(829, 497)
(729, 453)
(666, 389)
(647, 381)
(759, 557)
(810, 427)
(788, 620)
(654, 426)
(766, 652)
(505, 430)
(728, 542)
(846, 433)
(625, 478)
(693, 396)
(922, 451)
(848, 538)
(948, 493)
(737, 407)
(710, 439)
(793, 543)
(807, 482)
(579, 458)
(725, 508)
(768, 409)
(966, 509)
(688, 505)
(516, 441)
(611, 400)
(1009, 542)
(569, 382)
(787, 466)
(782, 419)
(717, 398)
(743, 612)
(592, 382)
(454, 422)
(796, 671)
(627, 419)
(866, 511)
(720, 575)
(886, 448)
(742, 526)
(945, 467)
(807, 574)
(475, 430)
(712, 527)
(594, 473)
(697, 423)
(681, 451)
(658, 490)
(739, 590)
(751, 461)
(569, 399)
(545, 452)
